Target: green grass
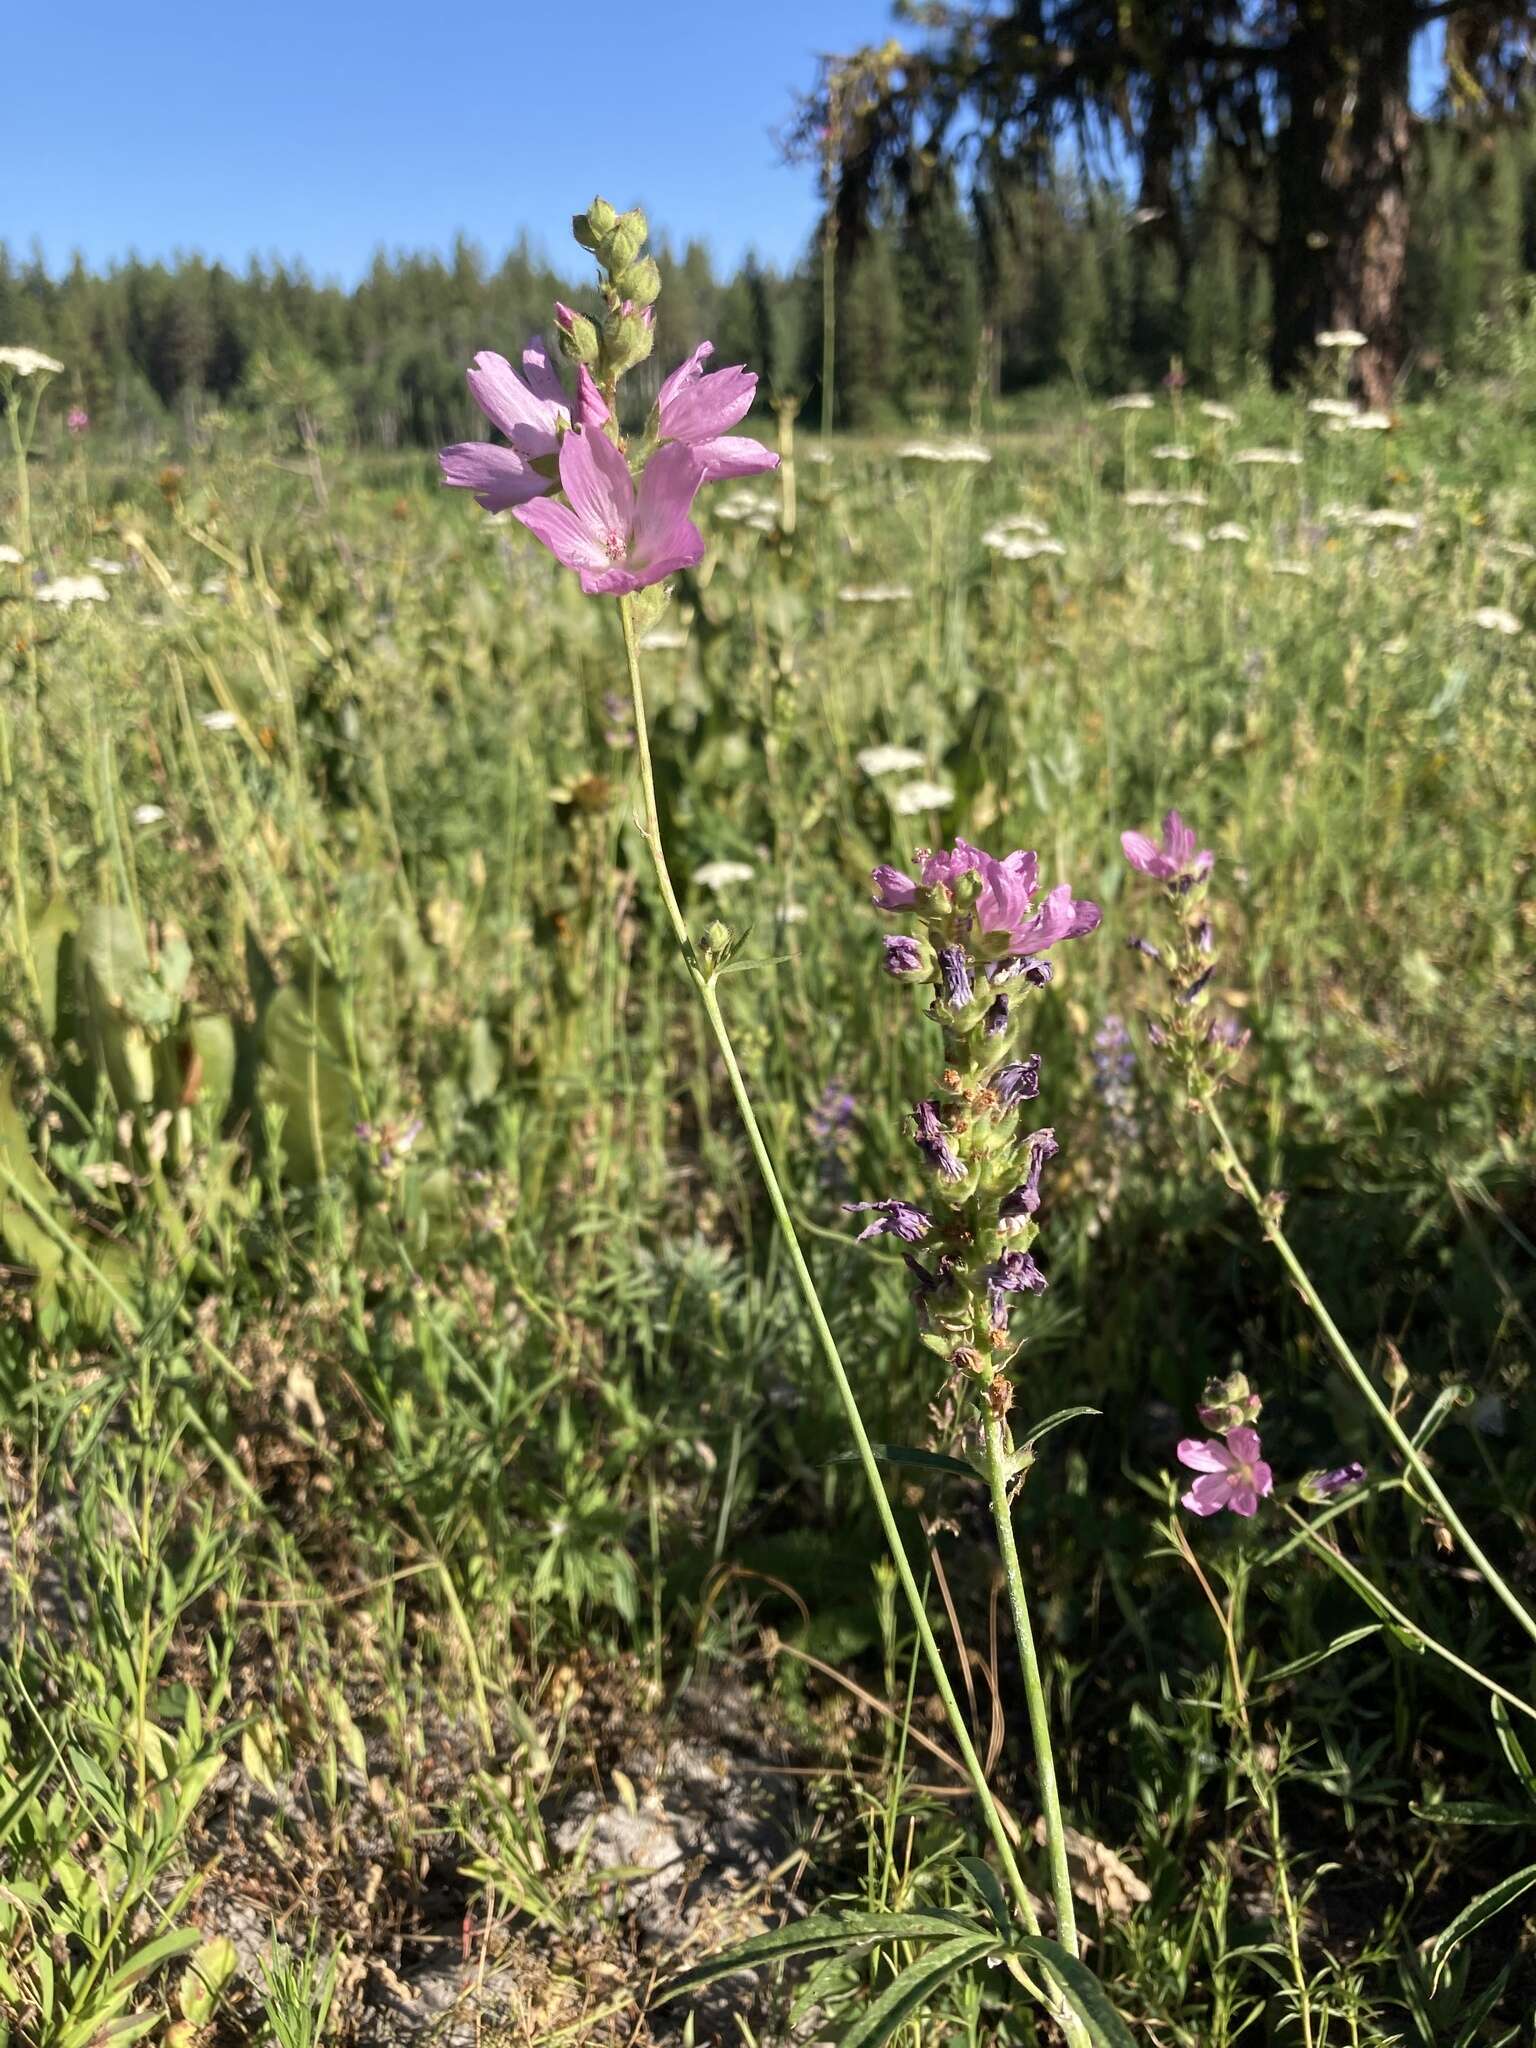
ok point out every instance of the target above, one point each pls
(337, 1455)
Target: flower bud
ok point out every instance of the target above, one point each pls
(639, 283)
(908, 959)
(1318, 1487)
(624, 239)
(627, 340)
(1229, 1404)
(594, 226)
(579, 341)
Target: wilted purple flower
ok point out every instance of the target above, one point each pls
(78, 420)
(1198, 985)
(1019, 1081)
(1176, 860)
(904, 957)
(1014, 1273)
(833, 1114)
(1234, 1474)
(895, 1219)
(955, 972)
(996, 1021)
(1318, 1487)
(933, 1143)
(1025, 1199)
(531, 410)
(698, 409)
(1144, 946)
(617, 539)
(1226, 1031)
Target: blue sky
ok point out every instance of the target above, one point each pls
(327, 130)
(330, 129)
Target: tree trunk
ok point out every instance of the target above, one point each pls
(1342, 174)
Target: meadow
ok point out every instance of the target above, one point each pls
(440, 1602)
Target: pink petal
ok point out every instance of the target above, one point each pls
(1142, 854)
(684, 375)
(1178, 839)
(1208, 1496)
(1204, 1454)
(708, 406)
(733, 455)
(595, 477)
(1243, 1500)
(507, 403)
(567, 539)
(1263, 1480)
(667, 490)
(591, 406)
(619, 580)
(1244, 1445)
(499, 477)
(541, 375)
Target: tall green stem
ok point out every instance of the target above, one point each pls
(704, 985)
(1411, 1454)
(1034, 1690)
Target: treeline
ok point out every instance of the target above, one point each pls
(940, 304)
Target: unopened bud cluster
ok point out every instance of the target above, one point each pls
(630, 285)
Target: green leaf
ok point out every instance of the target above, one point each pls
(1024, 1446)
(308, 1075)
(1473, 1813)
(1085, 1993)
(985, 1880)
(918, 1460)
(50, 956)
(821, 1931)
(482, 1063)
(1472, 1916)
(138, 1966)
(24, 1191)
(1514, 1750)
(210, 1040)
(1284, 1672)
(1439, 1412)
(903, 1998)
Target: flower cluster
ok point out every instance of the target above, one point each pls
(617, 514)
(1230, 1462)
(982, 943)
(1200, 1043)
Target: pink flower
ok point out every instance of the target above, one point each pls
(697, 409)
(77, 419)
(533, 411)
(617, 539)
(1233, 1474)
(1176, 860)
(1005, 905)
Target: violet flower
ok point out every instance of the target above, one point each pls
(1025, 1199)
(1318, 1487)
(1176, 860)
(955, 973)
(933, 1143)
(1233, 1474)
(617, 539)
(904, 957)
(532, 411)
(1019, 1081)
(697, 408)
(895, 1219)
(1004, 906)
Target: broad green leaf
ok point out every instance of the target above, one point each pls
(210, 1043)
(1474, 1915)
(902, 1999)
(50, 956)
(307, 1074)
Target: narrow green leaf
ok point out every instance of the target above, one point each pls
(986, 1881)
(1439, 1412)
(903, 1998)
(1473, 1916)
(138, 1966)
(918, 1460)
(1086, 1994)
(821, 1931)
(1474, 1813)
(1036, 1430)
(1513, 1748)
(1294, 1669)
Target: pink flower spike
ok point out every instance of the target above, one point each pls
(617, 540)
(1232, 1474)
(699, 409)
(1175, 860)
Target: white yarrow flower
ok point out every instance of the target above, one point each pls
(1341, 338)
(663, 640)
(1215, 410)
(944, 451)
(1367, 423)
(888, 760)
(27, 362)
(67, 590)
(1016, 522)
(10, 555)
(874, 593)
(1493, 618)
(1291, 568)
(1172, 451)
(1259, 458)
(147, 814)
(1230, 529)
(1192, 543)
(105, 568)
(218, 721)
(1131, 401)
(1021, 549)
(915, 797)
(1332, 408)
(716, 875)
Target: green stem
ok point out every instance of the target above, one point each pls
(705, 987)
(1034, 1690)
(1412, 1456)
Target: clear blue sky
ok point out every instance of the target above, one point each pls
(329, 129)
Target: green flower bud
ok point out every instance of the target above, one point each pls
(580, 342)
(594, 226)
(627, 340)
(1229, 1404)
(640, 283)
(623, 239)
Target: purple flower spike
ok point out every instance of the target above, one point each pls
(1233, 1474)
(617, 539)
(699, 409)
(1318, 1487)
(894, 1219)
(1176, 860)
(1019, 1081)
(1025, 1199)
(933, 1143)
(955, 970)
(530, 410)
